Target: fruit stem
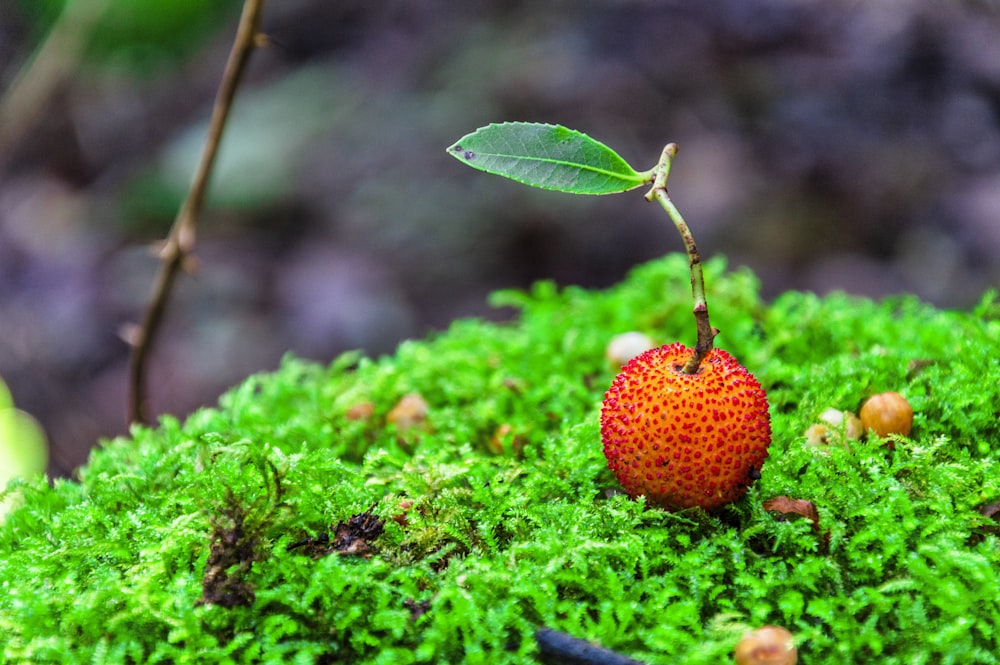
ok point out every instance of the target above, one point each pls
(706, 333)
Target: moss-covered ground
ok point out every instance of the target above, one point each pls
(230, 538)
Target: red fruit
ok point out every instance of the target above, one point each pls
(684, 440)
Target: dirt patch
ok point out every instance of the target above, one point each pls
(351, 537)
(233, 551)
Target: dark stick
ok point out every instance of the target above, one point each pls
(562, 649)
(180, 243)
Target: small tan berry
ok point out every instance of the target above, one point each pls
(622, 348)
(853, 428)
(817, 435)
(769, 645)
(835, 426)
(410, 412)
(887, 413)
(360, 411)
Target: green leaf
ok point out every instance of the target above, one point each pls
(548, 156)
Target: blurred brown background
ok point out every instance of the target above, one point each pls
(826, 145)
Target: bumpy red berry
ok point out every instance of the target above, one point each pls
(684, 440)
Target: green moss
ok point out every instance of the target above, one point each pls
(499, 512)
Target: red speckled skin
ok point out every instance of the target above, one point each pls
(684, 440)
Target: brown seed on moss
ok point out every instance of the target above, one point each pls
(787, 505)
(360, 411)
(404, 507)
(887, 413)
(684, 440)
(768, 645)
(410, 412)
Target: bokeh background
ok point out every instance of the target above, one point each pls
(827, 145)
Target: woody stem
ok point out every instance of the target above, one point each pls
(177, 250)
(706, 333)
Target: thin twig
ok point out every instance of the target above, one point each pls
(180, 243)
(706, 333)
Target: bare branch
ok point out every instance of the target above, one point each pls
(180, 243)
